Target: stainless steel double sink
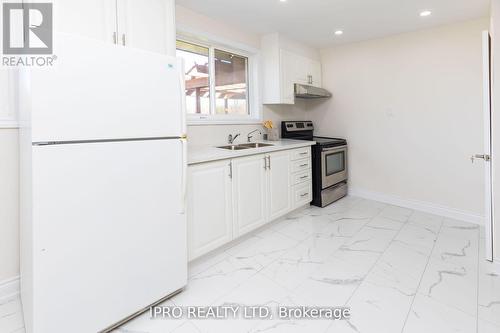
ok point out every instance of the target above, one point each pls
(245, 146)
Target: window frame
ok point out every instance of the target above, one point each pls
(254, 115)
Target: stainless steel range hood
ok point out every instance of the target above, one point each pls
(310, 92)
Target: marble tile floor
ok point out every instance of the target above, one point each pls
(398, 270)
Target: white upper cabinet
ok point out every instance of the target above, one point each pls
(283, 68)
(289, 75)
(7, 109)
(314, 70)
(143, 24)
(95, 19)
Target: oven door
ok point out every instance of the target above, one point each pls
(333, 166)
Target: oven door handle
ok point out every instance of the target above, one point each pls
(334, 148)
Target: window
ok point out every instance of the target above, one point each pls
(196, 65)
(218, 83)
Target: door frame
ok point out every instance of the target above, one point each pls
(487, 109)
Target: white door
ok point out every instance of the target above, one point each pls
(99, 91)
(90, 18)
(486, 155)
(142, 24)
(249, 193)
(279, 184)
(209, 207)
(109, 235)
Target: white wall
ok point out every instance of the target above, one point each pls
(189, 21)
(495, 32)
(195, 23)
(410, 106)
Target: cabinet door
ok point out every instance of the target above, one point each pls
(95, 19)
(302, 70)
(7, 87)
(209, 207)
(142, 24)
(288, 68)
(279, 184)
(315, 72)
(249, 193)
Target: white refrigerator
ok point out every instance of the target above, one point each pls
(103, 178)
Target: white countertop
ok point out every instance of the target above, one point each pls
(208, 153)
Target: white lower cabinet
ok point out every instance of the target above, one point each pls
(227, 199)
(302, 194)
(210, 221)
(279, 201)
(249, 193)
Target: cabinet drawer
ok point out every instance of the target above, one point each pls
(298, 154)
(302, 194)
(301, 177)
(301, 165)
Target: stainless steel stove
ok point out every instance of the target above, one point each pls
(329, 161)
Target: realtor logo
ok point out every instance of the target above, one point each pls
(27, 28)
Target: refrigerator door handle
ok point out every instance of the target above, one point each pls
(184, 176)
(182, 86)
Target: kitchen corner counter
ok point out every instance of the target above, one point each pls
(208, 153)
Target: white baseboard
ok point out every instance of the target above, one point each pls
(9, 287)
(419, 205)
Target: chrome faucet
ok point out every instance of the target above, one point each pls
(249, 135)
(231, 138)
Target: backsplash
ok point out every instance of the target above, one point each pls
(217, 134)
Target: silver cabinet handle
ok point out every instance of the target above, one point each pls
(304, 177)
(265, 162)
(269, 159)
(231, 170)
(304, 153)
(305, 194)
(123, 39)
(115, 39)
(304, 165)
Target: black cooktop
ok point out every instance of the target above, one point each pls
(304, 130)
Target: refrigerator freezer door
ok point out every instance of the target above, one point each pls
(109, 238)
(97, 90)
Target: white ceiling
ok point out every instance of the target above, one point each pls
(315, 21)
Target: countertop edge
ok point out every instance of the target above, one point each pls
(227, 155)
